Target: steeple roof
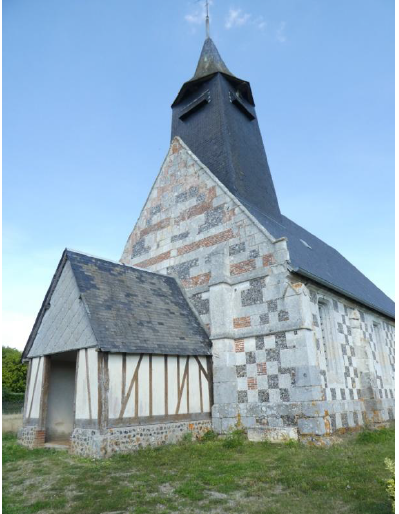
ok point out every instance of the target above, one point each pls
(210, 61)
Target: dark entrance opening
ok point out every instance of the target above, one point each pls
(61, 398)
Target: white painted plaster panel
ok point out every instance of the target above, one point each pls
(183, 403)
(82, 397)
(172, 384)
(195, 404)
(144, 398)
(158, 385)
(115, 384)
(131, 365)
(93, 376)
(35, 392)
(33, 369)
(65, 325)
(205, 387)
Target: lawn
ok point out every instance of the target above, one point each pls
(204, 477)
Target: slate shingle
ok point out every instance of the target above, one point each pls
(133, 310)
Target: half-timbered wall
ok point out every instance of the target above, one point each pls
(87, 385)
(34, 390)
(143, 388)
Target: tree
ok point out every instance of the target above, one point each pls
(14, 372)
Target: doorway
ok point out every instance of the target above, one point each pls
(61, 397)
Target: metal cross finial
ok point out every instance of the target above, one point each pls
(207, 18)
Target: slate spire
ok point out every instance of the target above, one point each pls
(210, 61)
(214, 114)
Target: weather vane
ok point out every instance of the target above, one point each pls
(207, 17)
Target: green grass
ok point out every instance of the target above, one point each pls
(211, 476)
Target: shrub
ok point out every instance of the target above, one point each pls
(187, 437)
(210, 435)
(234, 439)
(390, 465)
(14, 371)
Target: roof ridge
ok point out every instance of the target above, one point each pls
(137, 268)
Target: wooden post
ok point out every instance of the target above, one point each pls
(103, 388)
(44, 393)
(210, 381)
(26, 406)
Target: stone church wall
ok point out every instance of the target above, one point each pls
(270, 370)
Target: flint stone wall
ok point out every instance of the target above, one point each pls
(96, 444)
(269, 363)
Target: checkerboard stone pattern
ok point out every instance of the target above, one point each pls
(389, 334)
(351, 391)
(370, 335)
(260, 376)
(348, 387)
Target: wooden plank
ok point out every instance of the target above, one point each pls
(210, 381)
(201, 367)
(200, 388)
(178, 374)
(44, 393)
(27, 386)
(103, 385)
(188, 384)
(76, 387)
(88, 383)
(129, 392)
(166, 385)
(100, 391)
(147, 420)
(180, 391)
(34, 387)
(106, 391)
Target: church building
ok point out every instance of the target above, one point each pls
(222, 311)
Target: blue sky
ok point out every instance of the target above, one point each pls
(87, 89)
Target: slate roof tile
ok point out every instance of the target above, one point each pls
(132, 310)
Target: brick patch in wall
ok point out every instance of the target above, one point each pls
(39, 438)
(252, 383)
(242, 267)
(261, 368)
(268, 259)
(198, 280)
(206, 242)
(154, 228)
(242, 322)
(239, 345)
(154, 260)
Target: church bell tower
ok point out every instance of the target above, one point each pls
(214, 114)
